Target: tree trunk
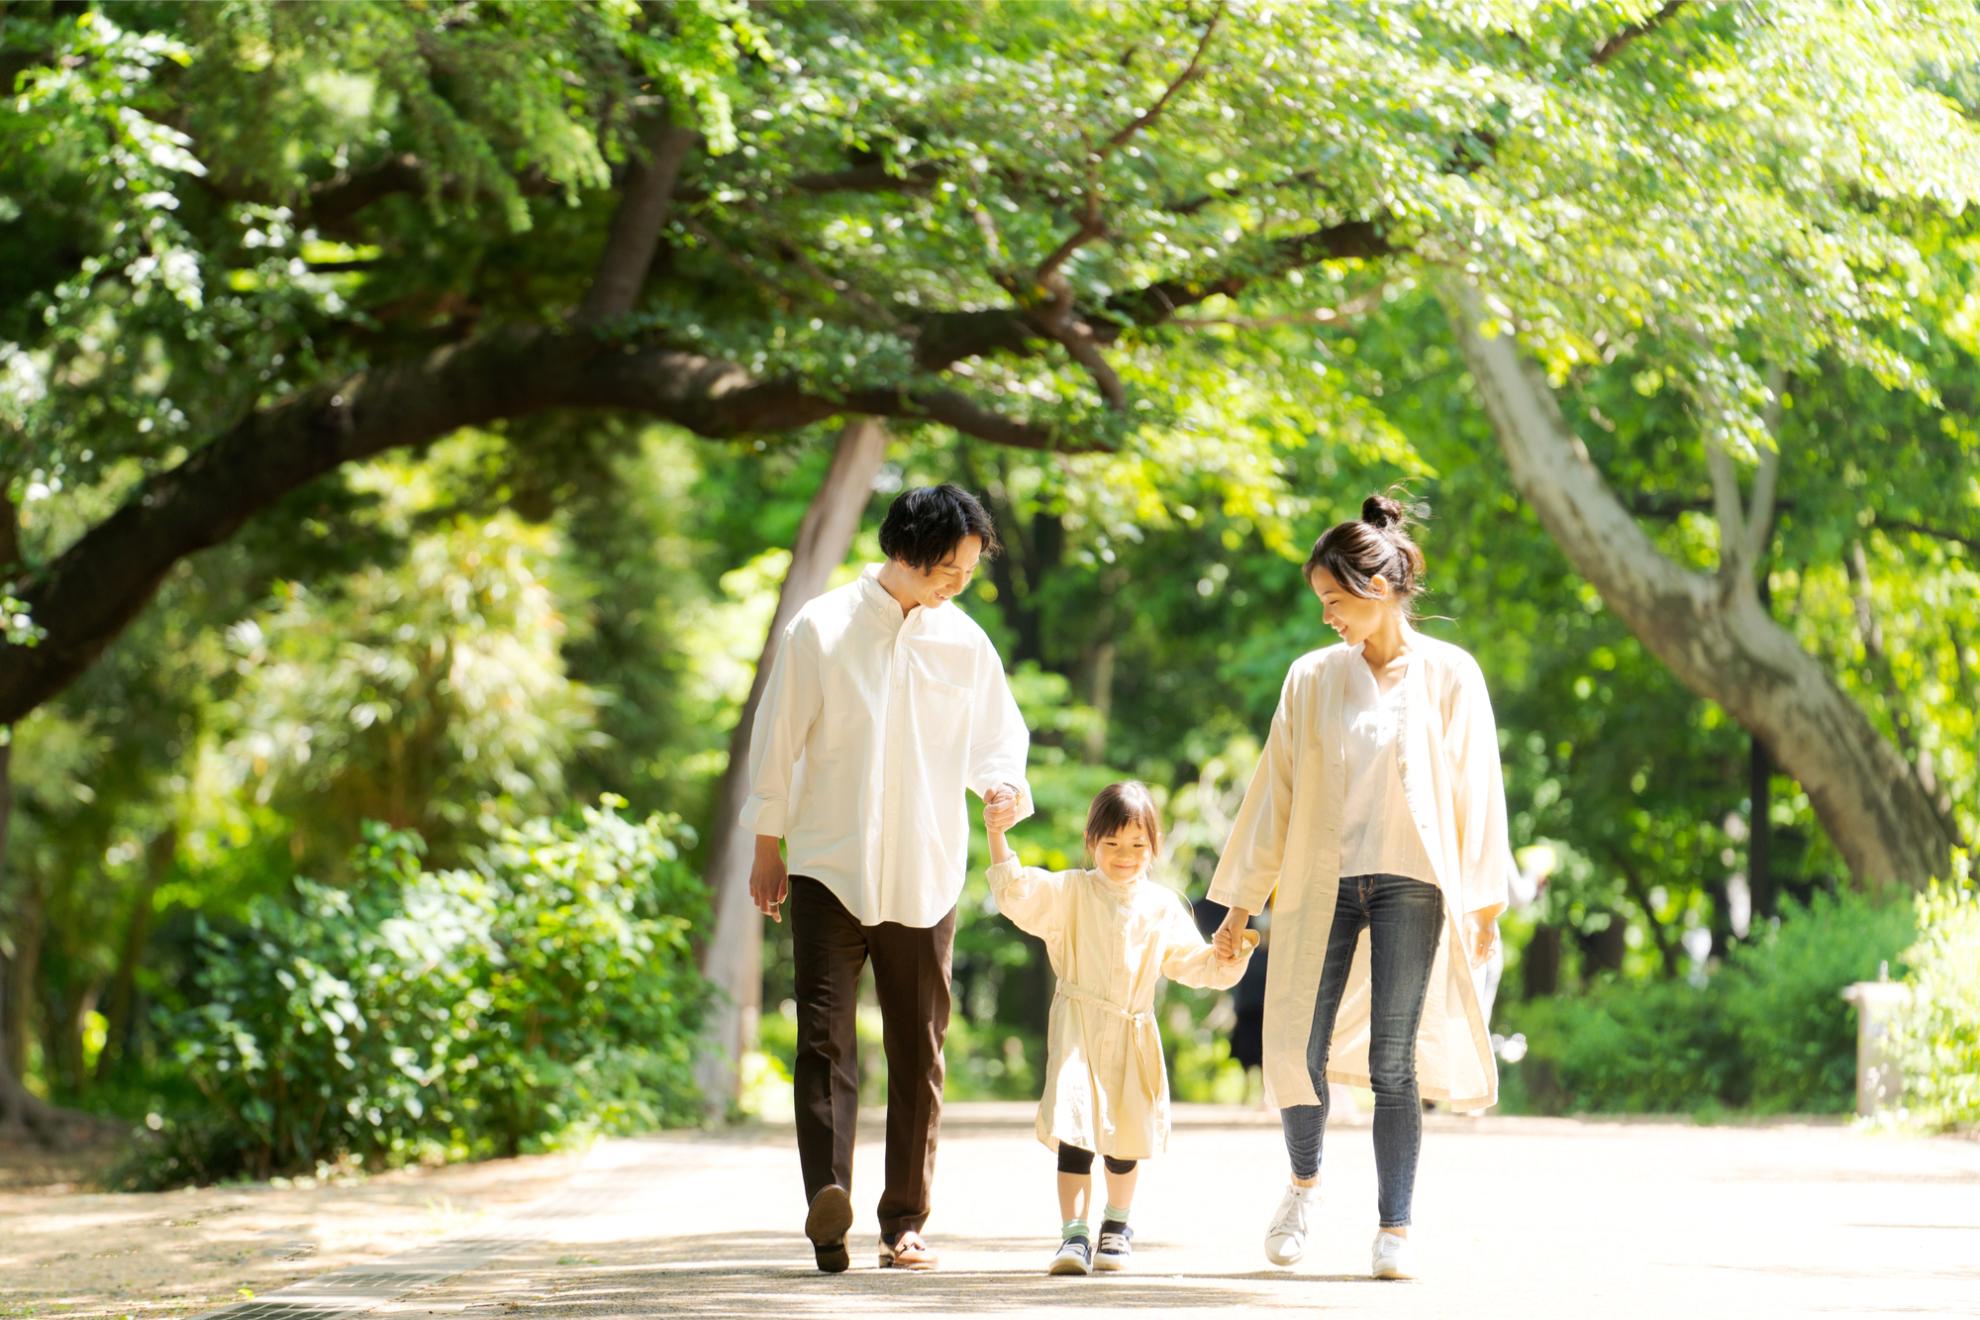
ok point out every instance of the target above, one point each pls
(1540, 963)
(119, 1003)
(732, 959)
(24, 935)
(1603, 950)
(1711, 631)
(21, 1111)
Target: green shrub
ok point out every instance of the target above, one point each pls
(1768, 1033)
(1937, 1035)
(551, 988)
(1623, 1047)
(1780, 995)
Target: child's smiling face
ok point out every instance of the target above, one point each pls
(1124, 854)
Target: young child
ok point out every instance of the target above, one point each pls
(1110, 932)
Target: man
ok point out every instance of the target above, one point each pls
(884, 704)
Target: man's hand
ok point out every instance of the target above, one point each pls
(768, 881)
(1000, 809)
(1229, 939)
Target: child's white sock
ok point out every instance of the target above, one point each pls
(1075, 1228)
(1118, 1214)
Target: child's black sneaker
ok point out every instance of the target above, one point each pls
(1116, 1245)
(1075, 1256)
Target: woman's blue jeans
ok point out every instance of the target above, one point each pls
(1403, 918)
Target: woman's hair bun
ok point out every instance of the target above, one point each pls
(1381, 511)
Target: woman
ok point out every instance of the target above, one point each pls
(1376, 825)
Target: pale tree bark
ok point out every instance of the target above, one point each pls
(733, 956)
(1711, 630)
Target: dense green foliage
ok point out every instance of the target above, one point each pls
(550, 987)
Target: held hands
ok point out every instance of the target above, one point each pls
(1481, 930)
(1000, 809)
(1229, 939)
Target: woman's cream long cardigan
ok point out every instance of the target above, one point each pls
(1286, 846)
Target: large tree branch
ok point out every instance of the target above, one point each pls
(1969, 540)
(334, 204)
(1667, 507)
(1622, 40)
(946, 338)
(86, 595)
(1191, 72)
(647, 196)
(872, 176)
(1747, 525)
(1729, 509)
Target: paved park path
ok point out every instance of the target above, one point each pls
(1533, 1218)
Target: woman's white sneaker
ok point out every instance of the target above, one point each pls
(1391, 1257)
(1285, 1240)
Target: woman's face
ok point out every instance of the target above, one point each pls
(1353, 617)
(1124, 854)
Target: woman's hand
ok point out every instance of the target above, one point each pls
(1229, 939)
(1481, 930)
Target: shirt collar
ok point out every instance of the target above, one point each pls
(877, 600)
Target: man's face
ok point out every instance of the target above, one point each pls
(934, 588)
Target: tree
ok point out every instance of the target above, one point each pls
(1714, 632)
(1050, 227)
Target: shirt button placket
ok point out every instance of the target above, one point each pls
(891, 822)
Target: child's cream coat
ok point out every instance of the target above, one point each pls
(1286, 846)
(1105, 1087)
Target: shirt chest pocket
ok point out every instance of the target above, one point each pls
(941, 688)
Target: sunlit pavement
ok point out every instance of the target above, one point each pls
(1514, 1217)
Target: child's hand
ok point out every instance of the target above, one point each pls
(1229, 939)
(999, 810)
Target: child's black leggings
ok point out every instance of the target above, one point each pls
(1079, 1160)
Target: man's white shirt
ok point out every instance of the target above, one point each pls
(870, 729)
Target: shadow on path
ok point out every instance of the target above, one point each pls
(731, 1274)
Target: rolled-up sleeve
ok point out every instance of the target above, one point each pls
(1248, 871)
(784, 716)
(999, 742)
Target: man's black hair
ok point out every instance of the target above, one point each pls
(925, 524)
